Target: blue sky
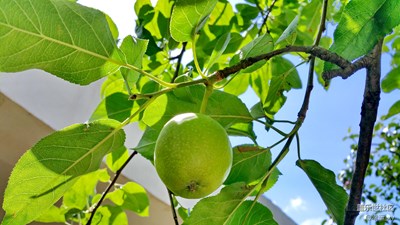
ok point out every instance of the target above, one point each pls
(330, 115)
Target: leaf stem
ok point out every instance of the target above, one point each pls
(196, 62)
(178, 64)
(103, 196)
(264, 23)
(207, 93)
(298, 145)
(272, 127)
(137, 96)
(152, 77)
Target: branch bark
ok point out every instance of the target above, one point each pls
(103, 196)
(369, 111)
(315, 51)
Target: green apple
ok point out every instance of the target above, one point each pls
(193, 155)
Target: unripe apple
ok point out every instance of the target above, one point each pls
(193, 155)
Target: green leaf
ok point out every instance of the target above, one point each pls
(227, 202)
(394, 110)
(257, 111)
(134, 50)
(53, 165)
(147, 143)
(79, 195)
(116, 106)
(284, 78)
(258, 214)
(167, 106)
(260, 81)
(187, 16)
(261, 45)
(114, 83)
(392, 80)
(362, 24)
(248, 12)
(333, 195)
(289, 34)
(110, 215)
(63, 38)
(220, 47)
(244, 130)
(131, 196)
(250, 162)
(51, 215)
(117, 158)
(238, 84)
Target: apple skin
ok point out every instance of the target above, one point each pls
(193, 155)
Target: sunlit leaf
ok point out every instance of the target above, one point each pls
(147, 143)
(227, 202)
(51, 215)
(394, 110)
(166, 106)
(289, 34)
(117, 158)
(220, 47)
(187, 16)
(53, 165)
(250, 162)
(243, 129)
(134, 50)
(362, 24)
(260, 81)
(131, 196)
(333, 195)
(110, 215)
(238, 84)
(116, 106)
(78, 196)
(258, 46)
(257, 214)
(392, 80)
(61, 37)
(284, 78)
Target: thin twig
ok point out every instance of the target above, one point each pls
(178, 65)
(117, 174)
(310, 82)
(264, 23)
(298, 146)
(171, 200)
(369, 111)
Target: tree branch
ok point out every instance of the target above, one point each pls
(103, 196)
(264, 23)
(369, 112)
(173, 207)
(179, 57)
(346, 72)
(316, 51)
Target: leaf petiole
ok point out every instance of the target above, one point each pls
(207, 93)
(152, 77)
(196, 62)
